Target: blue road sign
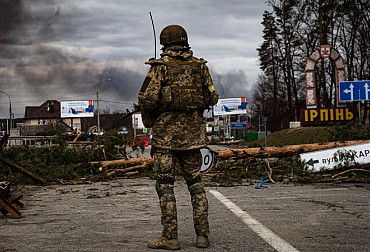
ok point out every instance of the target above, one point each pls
(238, 125)
(354, 90)
(264, 119)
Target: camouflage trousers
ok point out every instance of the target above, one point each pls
(190, 162)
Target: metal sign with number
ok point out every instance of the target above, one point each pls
(209, 159)
(354, 90)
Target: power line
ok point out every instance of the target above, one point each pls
(117, 102)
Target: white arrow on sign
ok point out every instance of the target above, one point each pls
(366, 91)
(350, 90)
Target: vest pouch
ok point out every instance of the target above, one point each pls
(167, 96)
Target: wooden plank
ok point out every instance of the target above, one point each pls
(8, 207)
(14, 200)
(22, 170)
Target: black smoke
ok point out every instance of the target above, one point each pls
(232, 84)
(32, 68)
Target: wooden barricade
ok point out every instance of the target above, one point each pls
(9, 202)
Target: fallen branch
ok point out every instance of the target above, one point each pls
(74, 182)
(350, 170)
(131, 173)
(269, 172)
(125, 170)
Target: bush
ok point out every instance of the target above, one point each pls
(349, 131)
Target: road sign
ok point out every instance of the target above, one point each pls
(325, 158)
(354, 90)
(209, 159)
(264, 119)
(238, 125)
(215, 128)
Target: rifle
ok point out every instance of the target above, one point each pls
(130, 113)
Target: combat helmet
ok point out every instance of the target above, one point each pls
(173, 34)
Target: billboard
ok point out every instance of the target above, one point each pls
(230, 106)
(76, 109)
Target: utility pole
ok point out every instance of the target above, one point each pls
(10, 113)
(97, 101)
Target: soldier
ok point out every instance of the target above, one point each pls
(175, 93)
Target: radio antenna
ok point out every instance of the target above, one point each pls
(155, 40)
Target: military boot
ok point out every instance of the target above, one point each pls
(164, 243)
(202, 241)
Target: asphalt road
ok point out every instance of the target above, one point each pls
(123, 214)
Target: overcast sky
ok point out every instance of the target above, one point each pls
(62, 49)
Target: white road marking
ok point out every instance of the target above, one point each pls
(266, 234)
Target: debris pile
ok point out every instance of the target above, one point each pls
(124, 167)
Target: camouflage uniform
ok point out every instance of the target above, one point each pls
(177, 135)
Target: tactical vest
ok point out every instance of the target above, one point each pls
(183, 88)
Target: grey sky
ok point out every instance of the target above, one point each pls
(61, 49)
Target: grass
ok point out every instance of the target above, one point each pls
(307, 135)
(296, 136)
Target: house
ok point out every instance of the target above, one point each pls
(40, 118)
(48, 112)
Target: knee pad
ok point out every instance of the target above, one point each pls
(195, 189)
(163, 191)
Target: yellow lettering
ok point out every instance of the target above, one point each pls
(313, 114)
(339, 114)
(306, 115)
(331, 114)
(349, 115)
(324, 115)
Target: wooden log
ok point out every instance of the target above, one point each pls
(131, 173)
(129, 162)
(285, 151)
(14, 200)
(133, 168)
(10, 208)
(242, 153)
(22, 170)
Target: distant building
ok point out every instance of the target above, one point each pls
(48, 114)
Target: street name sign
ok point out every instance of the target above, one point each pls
(325, 159)
(238, 125)
(354, 91)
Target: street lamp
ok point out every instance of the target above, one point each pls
(97, 100)
(10, 112)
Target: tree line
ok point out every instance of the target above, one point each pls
(292, 31)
